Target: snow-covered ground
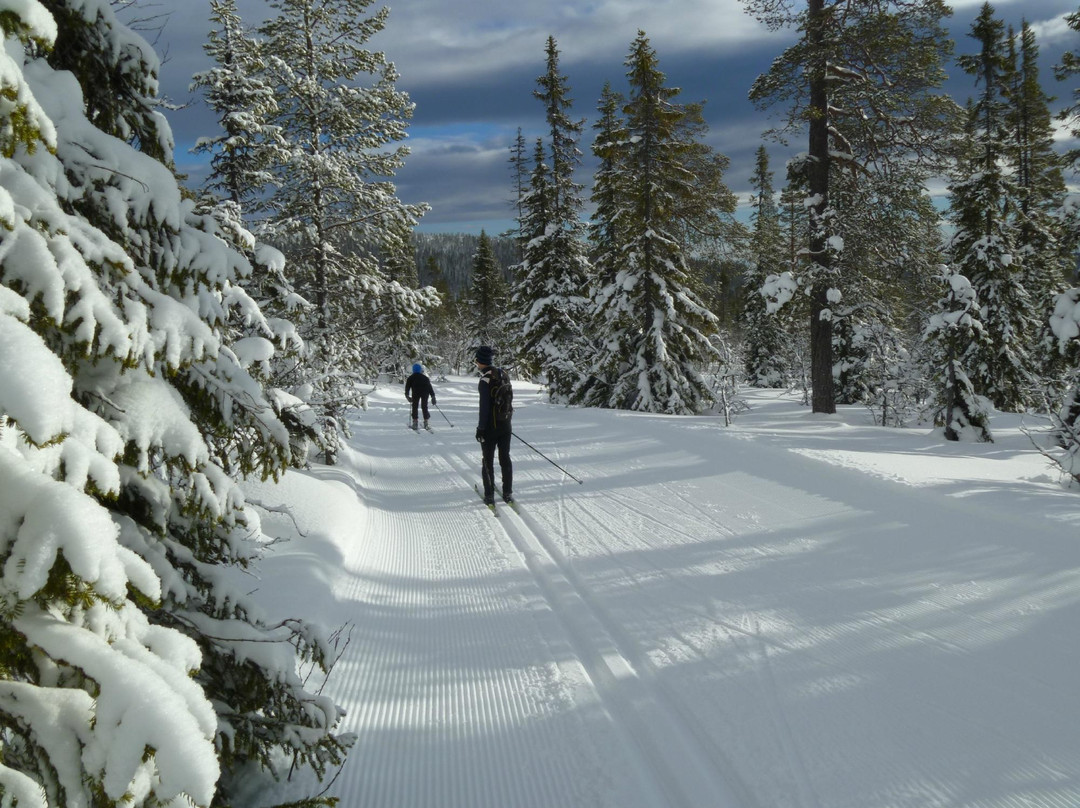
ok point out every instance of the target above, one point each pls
(798, 610)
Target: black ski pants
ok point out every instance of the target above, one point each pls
(497, 438)
(419, 401)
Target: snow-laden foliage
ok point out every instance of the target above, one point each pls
(487, 299)
(764, 331)
(245, 149)
(550, 299)
(1065, 327)
(133, 671)
(862, 81)
(954, 332)
(986, 244)
(333, 209)
(652, 333)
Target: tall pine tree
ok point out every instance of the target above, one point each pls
(861, 80)
(549, 296)
(487, 297)
(242, 154)
(1043, 243)
(655, 338)
(763, 332)
(335, 209)
(986, 245)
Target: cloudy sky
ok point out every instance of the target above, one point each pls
(470, 66)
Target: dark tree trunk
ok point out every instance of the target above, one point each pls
(821, 331)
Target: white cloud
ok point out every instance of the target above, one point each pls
(438, 41)
(1052, 31)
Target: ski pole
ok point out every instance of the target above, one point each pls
(443, 414)
(548, 459)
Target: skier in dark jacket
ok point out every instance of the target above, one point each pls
(492, 432)
(417, 390)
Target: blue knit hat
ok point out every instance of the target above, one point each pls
(417, 368)
(484, 355)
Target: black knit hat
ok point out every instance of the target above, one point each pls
(484, 355)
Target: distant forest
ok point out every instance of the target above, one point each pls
(451, 255)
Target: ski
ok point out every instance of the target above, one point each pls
(511, 502)
(480, 493)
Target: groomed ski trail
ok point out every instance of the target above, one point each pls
(710, 622)
(461, 680)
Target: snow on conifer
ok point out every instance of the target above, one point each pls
(334, 209)
(549, 300)
(653, 333)
(985, 246)
(954, 331)
(134, 671)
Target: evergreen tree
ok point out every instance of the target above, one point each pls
(334, 209)
(519, 165)
(488, 296)
(861, 80)
(604, 239)
(655, 338)
(1043, 245)
(1068, 67)
(134, 672)
(549, 298)
(985, 246)
(954, 332)
(763, 332)
(1065, 327)
(891, 251)
(247, 146)
(241, 157)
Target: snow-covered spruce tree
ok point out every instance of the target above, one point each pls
(242, 153)
(334, 209)
(1068, 67)
(604, 241)
(134, 673)
(401, 318)
(953, 333)
(487, 298)
(1045, 247)
(892, 250)
(535, 222)
(549, 297)
(861, 81)
(241, 156)
(985, 245)
(655, 337)
(1065, 326)
(763, 333)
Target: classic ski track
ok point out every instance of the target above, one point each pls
(388, 692)
(591, 658)
(689, 777)
(496, 708)
(749, 638)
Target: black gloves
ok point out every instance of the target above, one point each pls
(480, 434)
